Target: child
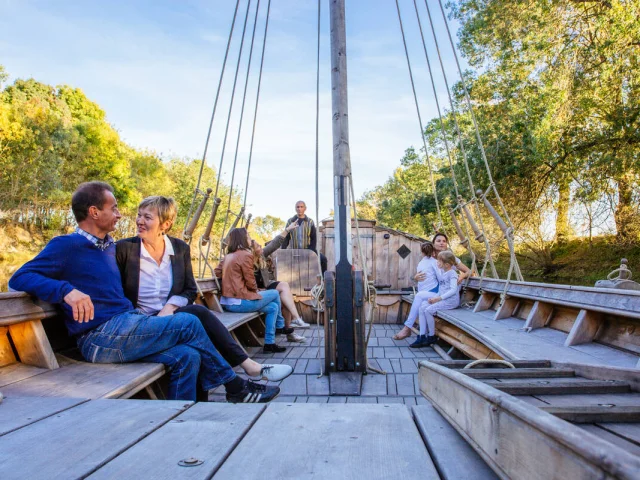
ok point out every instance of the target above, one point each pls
(448, 298)
(427, 278)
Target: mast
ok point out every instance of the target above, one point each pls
(344, 339)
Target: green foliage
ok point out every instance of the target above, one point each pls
(263, 229)
(53, 138)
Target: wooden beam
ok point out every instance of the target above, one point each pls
(7, 356)
(595, 413)
(518, 372)
(485, 301)
(507, 308)
(584, 328)
(559, 387)
(32, 344)
(539, 315)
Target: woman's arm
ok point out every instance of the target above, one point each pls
(465, 272)
(274, 244)
(246, 266)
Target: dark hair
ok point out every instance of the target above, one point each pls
(427, 248)
(238, 240)
(88, 194)
(440, 234)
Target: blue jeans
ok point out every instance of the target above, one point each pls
(178, 341)
(269, 304)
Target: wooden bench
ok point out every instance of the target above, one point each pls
(300, 269)
(38, 358)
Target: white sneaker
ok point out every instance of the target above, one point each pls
(294, 337)
(299, 323)
(274, 373)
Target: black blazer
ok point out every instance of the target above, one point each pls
(128, 258)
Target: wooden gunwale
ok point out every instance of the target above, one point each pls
(488, 416)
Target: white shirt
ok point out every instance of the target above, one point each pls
(156, 281)
(448, 284)
(428, 266)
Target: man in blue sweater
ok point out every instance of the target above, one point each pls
(79, 272)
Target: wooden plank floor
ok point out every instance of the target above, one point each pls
(157, 439)
(399, 385)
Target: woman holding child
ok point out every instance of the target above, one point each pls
(158, 278)
(436, 271)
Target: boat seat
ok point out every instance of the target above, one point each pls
(38, 358)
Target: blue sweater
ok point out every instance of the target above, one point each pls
(72, 261)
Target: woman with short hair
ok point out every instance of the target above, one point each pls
(157, 277)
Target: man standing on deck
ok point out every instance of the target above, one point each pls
(79, 272)
(305, 236)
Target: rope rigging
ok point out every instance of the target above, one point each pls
(186, 233)
(244, 98)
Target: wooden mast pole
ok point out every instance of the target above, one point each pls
(347, 344)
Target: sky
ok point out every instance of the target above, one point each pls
(154, 67)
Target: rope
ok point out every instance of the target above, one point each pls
(255, 113)
(444, 135)
(318, 290)
(233, 92)
(462, 149)
(513, 264)
(213, 114)
(415, 98)
(244, 100)
(489, 361)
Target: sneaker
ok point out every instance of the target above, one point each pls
(273, 348)
(299, 323)
(284, 331)
(274, 373)
(420, 342)
(254, 393)
(294, 337)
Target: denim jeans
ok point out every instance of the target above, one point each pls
(178, 341)
(269, 304)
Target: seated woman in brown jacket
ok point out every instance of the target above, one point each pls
(265, 280)
(240, 290)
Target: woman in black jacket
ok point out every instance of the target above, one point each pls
(158, 279)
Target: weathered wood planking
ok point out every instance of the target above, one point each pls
(206, 431)
(81, 439)
(604, 434)
(32, 344)
(6, 351)
(17, 412)
(18, 307)
(88, 380)
(516, 439)
(609, 301)
(557, 386)
(595, 413)
(452, 455)
(299, 268)
(496, 373)
(340, 441)
(17, 371)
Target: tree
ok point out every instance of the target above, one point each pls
(263, 229)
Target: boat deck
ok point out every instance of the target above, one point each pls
(507, 337)
(399, 385)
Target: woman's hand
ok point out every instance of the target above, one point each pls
(167, 310)
(462, 276)
(291, 227)
(420, 276)
(433, 300)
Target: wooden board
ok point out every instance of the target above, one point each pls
(453, 456)
(206, 431)
(231, 320)
(340, 441)
(495, 373)
(17, 371)
(81, 439)
(619, 399)
(17, 307)
(559, 386)
(32, 344)
(457, 364)
(595, 413)
(596, 430)
(517, 439)
(17, 412)
(7, 356)
(88, 380)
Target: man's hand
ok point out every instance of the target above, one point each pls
(291, 227)
(167, 310)
(420, 276)
(81, 305)
(433, 300)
